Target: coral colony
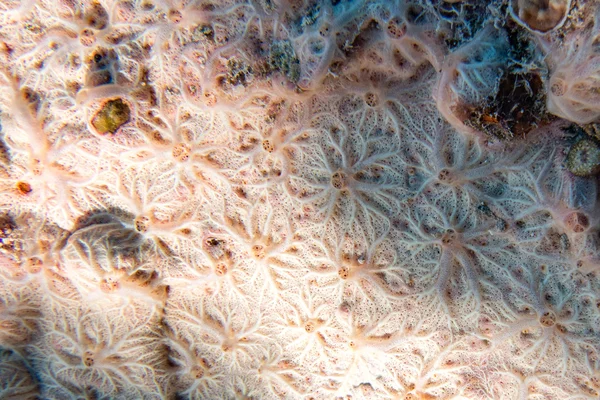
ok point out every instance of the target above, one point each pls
(299, 199)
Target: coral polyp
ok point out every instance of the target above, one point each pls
(584, 158)
(312, 199)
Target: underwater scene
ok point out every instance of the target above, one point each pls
(299, 199)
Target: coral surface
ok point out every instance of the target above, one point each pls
(299, 199)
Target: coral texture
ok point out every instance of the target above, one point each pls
(281, 199)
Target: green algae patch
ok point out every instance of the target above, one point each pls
(282, 58)
(112, 115)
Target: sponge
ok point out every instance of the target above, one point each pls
(574, 84)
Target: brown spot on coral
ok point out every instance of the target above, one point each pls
(548, 319)
(258, 251)
(96, 16)
(141, 224)
(181, 152)
(175, 16)
(33, 265)
(561, 328)
(113, 114)
(220, 269)
(197, 372)
(577, 222)
(109, 285)
(32, 98)
(338, 180)
(309, 327)
(101, 64)
(23, 187)
(212, 242)
(449, 237)
(268, 145)
(371, 99)
(396, 28)
(344, 272)
(87, 37)
(88, 359)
